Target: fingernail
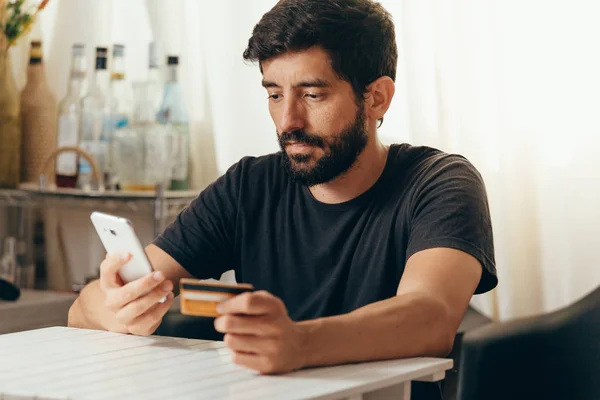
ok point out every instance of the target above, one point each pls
(220, 308)
(157, 276)
(170, 295)
(125, 256)
(166, 286)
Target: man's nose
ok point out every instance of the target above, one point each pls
(292, 117)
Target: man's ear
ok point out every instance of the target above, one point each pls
(378, 97)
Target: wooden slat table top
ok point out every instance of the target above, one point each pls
(60, 363)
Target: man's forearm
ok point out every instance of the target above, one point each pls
(403, 326)
(88, 311)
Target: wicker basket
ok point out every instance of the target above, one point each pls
(51, 161)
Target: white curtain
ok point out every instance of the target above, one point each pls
(514, 85)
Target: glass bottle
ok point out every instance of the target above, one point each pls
(142, 150)
(8, 260)
(69, 116)
(38, 118)
(120, 90)
(154, 79)
(121, 105)
(95, 123)
(173, 114)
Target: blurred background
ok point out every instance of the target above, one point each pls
(514, 85)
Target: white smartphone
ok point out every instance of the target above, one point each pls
(118, 237)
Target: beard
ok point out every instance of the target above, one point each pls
(340, 152)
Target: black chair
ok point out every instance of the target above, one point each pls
(472, 319)
(551, 356)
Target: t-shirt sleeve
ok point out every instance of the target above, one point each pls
(450, 209)
(201, 237)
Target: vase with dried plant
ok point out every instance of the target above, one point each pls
(15, 21)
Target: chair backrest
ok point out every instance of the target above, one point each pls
(552, 356)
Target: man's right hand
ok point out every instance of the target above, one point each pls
(135, 305)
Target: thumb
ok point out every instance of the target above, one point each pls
(109, 270)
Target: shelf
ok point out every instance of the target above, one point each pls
(112, 195)
(29, 195)
(16, 198)
(35, 309)
(161, 206)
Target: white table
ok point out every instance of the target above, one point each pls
(60, 363)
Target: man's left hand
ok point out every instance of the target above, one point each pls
(260, 333)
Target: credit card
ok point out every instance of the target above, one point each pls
(200, 298)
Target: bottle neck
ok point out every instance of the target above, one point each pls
(153, 75)
(75, 86)
(172, 74)
(77, 77)
(118, 69)
(100, 80)
(35, 74)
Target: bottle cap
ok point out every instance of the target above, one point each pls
(101, 53)
(35, 53)
(118, 50)
(78, 49)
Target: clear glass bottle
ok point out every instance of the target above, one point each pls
(69, 116)
(121, 105)
(8, 260)
(173, 114)
(142, 150)
(154, 78)
(95, 122)
(121, 96)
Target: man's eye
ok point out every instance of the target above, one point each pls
(274, 97)
(313, 95)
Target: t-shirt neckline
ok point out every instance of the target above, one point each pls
(361, 198)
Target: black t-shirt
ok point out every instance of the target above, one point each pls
(327, 259)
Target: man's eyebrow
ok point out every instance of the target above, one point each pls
(320, 83)
(268, 84)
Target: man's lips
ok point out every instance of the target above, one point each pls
(296, 147)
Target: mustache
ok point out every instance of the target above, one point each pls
(300, 137)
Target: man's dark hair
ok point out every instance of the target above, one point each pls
(358, 35)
